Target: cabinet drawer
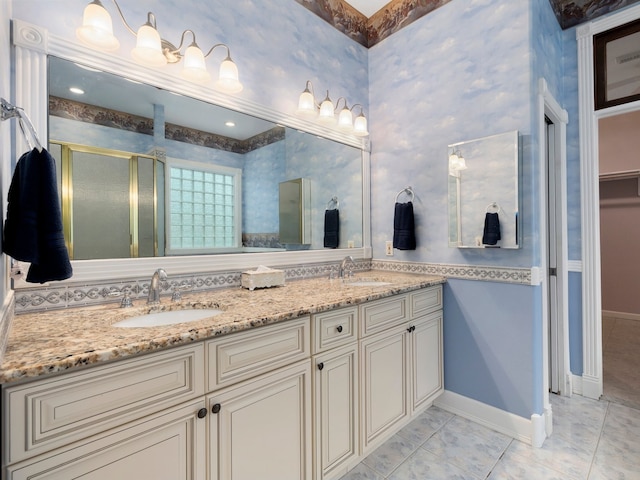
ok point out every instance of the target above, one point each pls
(239, 356)
(46, 414)
(382, 314)
(334, 329)
(425, 301)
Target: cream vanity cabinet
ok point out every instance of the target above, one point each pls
(400, 361)
(141, 418)
(300, 399)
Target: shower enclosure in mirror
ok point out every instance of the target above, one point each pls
(145, 172)
(483, 192)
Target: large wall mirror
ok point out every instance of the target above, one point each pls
(483, 192)
(145, 172)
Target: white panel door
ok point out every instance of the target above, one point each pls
(261, 428)
(383, 382)
(426, 359)
(336, 410)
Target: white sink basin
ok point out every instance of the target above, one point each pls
(167, 318)
(367, 283)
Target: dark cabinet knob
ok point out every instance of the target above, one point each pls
(411, 328)
(320, 366)
(216, 408)
(339, 328)
(202, 413)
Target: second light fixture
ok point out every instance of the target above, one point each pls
(325, 112)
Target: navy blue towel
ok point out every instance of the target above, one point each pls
(404, 235)
(332, 228)
(491, 232)
(33, 228)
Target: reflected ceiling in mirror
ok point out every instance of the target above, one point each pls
(119, 120)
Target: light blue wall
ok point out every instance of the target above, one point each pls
(489, 342)
(264, 170)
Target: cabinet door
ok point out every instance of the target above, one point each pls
(336, 410)
(426, 359)
(261, 428)
(166, 446)
(383, 383)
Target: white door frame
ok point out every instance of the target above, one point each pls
(590, 196)
(549, 107)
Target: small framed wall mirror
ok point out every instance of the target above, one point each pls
(483, 192)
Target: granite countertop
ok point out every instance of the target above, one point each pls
(50, 342)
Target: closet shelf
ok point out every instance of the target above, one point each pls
(621, 175)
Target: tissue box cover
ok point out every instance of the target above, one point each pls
(262, 278)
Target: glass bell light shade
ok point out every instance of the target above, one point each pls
(306, 103)
(228, 77)
(148, 50)
(327, 114)
(345, 120)
(457, 162)
(360, 126)
(194, 68)
(97, 29)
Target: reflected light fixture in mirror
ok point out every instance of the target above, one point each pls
(154, 51)
(456, 161)
(326, 112)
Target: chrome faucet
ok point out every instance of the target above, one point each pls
(154, 285)
(343, 266)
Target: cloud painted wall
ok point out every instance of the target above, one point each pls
(464, 72)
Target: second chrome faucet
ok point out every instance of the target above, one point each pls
(154, 285)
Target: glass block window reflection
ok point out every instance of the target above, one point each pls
(202, 209)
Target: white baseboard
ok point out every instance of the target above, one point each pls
(529, 431)
(625, 315)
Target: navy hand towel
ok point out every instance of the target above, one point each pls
(33, 227)
(491, 233)
(404, 236)
(332, 228)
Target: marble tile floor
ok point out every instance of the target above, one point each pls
(621, 360)
(592, 440)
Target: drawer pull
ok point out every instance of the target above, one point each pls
(202, 413)
(411, 328)
(320, 366)
(339, 328)
(216, 408)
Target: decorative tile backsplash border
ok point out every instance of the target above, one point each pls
(520, 276)
(71, 295)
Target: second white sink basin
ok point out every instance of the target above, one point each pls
(167, 318)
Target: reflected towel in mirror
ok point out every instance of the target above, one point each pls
(491, 232)
(332, 228)
(404, 236)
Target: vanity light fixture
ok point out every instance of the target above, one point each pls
(325, 112)
(456, 161)
(154, 51)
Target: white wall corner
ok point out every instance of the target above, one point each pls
(536, 276)
(538, 429)
(491, 417)
(548, 420)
